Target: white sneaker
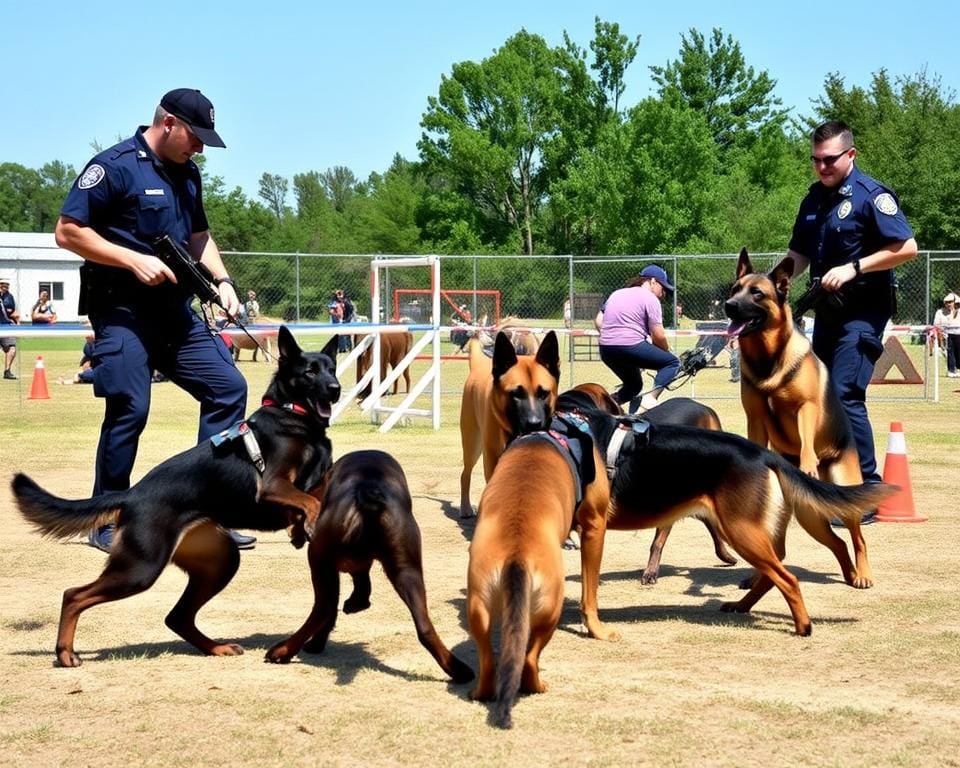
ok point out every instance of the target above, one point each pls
(953, 374)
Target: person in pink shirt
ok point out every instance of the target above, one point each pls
(632, 338)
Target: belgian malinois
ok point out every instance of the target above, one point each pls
(504, 397)
(180, 510)
(790, 405)
(516, 571)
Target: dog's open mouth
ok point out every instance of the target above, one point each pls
(743, 327)
(321, 409)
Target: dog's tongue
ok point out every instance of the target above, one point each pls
(735, 328)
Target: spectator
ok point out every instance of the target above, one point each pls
(251, 307)
(42, 312)
(84, 374)
(8, 316)
(347, 314)
(632, 338)
(947, 323)
(128, 196)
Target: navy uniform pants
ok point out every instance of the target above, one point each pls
(128, 348)
(628, 363)
(850, 349)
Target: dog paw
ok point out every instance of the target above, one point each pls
(733, 607)
(648, 577)
(279, 654)
(467, 512)
(861, 582)
(459, 672)
(226, 649)
(68, 659)
(355, 605)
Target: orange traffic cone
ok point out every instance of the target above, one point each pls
(899, 508)
(38, 389)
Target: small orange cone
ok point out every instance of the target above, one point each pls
(899, 508)
(38, 389)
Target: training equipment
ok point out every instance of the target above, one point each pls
(898, 508)
(38, 388)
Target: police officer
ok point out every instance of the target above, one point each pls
(851, 231)
(127, 197)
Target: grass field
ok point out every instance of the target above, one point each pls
(877, 684)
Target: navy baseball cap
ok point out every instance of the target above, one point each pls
(658, 273)
(196, 110)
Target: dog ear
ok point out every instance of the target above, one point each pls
(781, 276)
(549, 355)
(287, 345)
(744, 267)
(330, 350)
(504, 355)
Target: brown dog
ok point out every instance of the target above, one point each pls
(790, 405)
(504, 397)
(663, 472)
(393, 348)
(516, 570)
(366, 514)
(676, 410)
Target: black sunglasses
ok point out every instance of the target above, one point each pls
(828, 160)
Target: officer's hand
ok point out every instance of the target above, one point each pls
(229, 298)
(151, 271)
(837, 277)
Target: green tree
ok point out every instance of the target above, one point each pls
(714, 79)
(340, 185)
(273, 191)
(30, 200)
(613, 53)
(490, 126)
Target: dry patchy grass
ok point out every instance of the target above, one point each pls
(876, 684)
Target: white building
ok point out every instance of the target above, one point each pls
(33, 262)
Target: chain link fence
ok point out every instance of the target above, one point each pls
(544, 292)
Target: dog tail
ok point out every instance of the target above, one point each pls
(514, 638)
(827, 500)
(62, 518)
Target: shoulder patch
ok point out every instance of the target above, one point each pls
(886, 204)
(92, 176)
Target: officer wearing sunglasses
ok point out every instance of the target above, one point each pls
(851, 232)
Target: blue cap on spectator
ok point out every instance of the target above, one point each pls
(658, 273)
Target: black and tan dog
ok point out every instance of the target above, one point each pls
(180, 510)
(676, 410)
(366, 514)
(516, 571)
(789, 403)
(504, 397)
(665, 472)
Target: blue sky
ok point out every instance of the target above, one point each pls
(302, 86)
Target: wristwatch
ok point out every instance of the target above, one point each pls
(218, 281)
(856, 267)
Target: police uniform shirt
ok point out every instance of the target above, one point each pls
(9, 306)
(129, 196)
(838, 225)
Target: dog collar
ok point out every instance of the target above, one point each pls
(292, 407)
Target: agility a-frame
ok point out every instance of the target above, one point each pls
(373, 403)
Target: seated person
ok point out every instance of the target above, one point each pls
(42, 312)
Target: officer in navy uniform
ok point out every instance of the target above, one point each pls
(127, 197)
(851, 231)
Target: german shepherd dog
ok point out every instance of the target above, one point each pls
(181, 509)
(790, 405)
(676, 410)
(504, 397)
(516, 571)
(747, 492)
(366, 514)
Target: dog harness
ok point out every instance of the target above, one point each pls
(629, 432)
(241, 430)
(570, 435)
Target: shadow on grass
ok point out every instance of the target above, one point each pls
(452, 512)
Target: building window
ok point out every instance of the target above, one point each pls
(54, 289)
